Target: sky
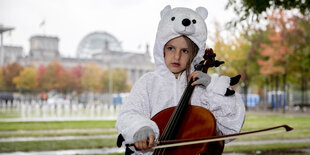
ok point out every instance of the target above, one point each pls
(132, 22)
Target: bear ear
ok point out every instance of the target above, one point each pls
(203, 12)
(164, 11)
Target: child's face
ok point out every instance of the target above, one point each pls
(176, 53)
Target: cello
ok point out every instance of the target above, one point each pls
(188, 121)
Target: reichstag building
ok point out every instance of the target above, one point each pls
(99, 48)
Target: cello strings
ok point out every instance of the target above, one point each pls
(176, 117)
(171, 123)
(174, 122)
(181, 107)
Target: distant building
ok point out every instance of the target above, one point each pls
(100, 48)
(44, 47)
(12, 54)
(97, 42)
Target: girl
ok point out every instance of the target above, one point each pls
(179, 45)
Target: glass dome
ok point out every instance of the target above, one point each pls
(97, 42)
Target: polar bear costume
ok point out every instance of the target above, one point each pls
(160, 89)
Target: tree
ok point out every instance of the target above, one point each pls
(223, 49)
(283, 48)
(253, 10)
(76, 73)
(68, 81)
(119, 79)
(40, 74)
(300, 59)
(54, 77)
(9, 72)
(27, 79)
(91, 78)
(277, 54)
(1, 80)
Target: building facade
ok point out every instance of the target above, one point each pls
(12, 54)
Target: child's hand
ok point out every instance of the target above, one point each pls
(203, 78)
(144, 138)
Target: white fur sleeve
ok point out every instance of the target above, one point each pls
(134, 112)
(229, 111)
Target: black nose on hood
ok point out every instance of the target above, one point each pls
(186, 22)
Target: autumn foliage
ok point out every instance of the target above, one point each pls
(55, 77)
(277, 50)
(9, 72)
(276, 53)
(27, 79)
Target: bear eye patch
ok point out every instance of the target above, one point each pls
(172, 19)
(194, 21)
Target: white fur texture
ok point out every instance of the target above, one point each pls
(169, 29)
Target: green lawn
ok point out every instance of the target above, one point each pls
(54, 134)
(12, 114)
(56, 145)
(264, 120)
(254, 121)
(53, 125)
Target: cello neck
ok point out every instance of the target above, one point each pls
(177, 116)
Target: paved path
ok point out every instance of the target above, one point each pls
(120, 150)
(69, 152)
(102, 151)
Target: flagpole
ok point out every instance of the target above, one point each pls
(42, 26)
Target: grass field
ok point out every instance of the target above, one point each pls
(57, 133)
(11, 114)
(254, 121)
(54, 125)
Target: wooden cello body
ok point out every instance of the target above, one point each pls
(197, 122)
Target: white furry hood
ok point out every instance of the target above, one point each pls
(176, 22)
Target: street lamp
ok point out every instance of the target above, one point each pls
(2, 30)
(110, 83)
